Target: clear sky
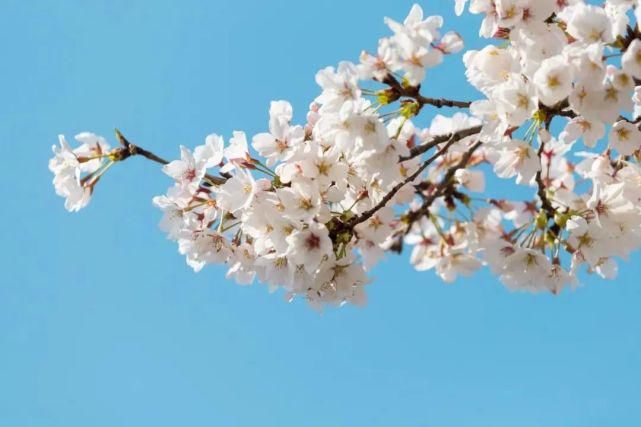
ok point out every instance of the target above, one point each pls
(103, 324)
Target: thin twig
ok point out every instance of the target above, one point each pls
(129, 149)
(442, 187)
(414, 93)
(369, 213)
(546, 204)
(458, 135)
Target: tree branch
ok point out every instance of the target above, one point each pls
(442, 187)
(457, 136)
(414, 93)
(128, 149)
(369, 213)
(546, 205)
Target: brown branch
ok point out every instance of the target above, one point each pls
(414, 93)
(442, 187)
(562, 109)
(458, 135)
(631, 34)
(546, 204)
(442, 102)
(369, 213)
(128, 149)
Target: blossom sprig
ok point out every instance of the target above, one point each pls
(311, 207)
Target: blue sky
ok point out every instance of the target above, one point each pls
(103, 324)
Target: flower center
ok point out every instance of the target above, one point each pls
(189, 175)
(312, 242)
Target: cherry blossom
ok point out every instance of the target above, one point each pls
(311, 207)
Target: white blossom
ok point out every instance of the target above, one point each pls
(311, 206)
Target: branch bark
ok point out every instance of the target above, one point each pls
(442, 187)
(369, 213)
(414, 93)
(458, 135)
(129, 149)
(546, 205)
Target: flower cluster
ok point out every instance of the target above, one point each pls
(76, 171)
(312, 207)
